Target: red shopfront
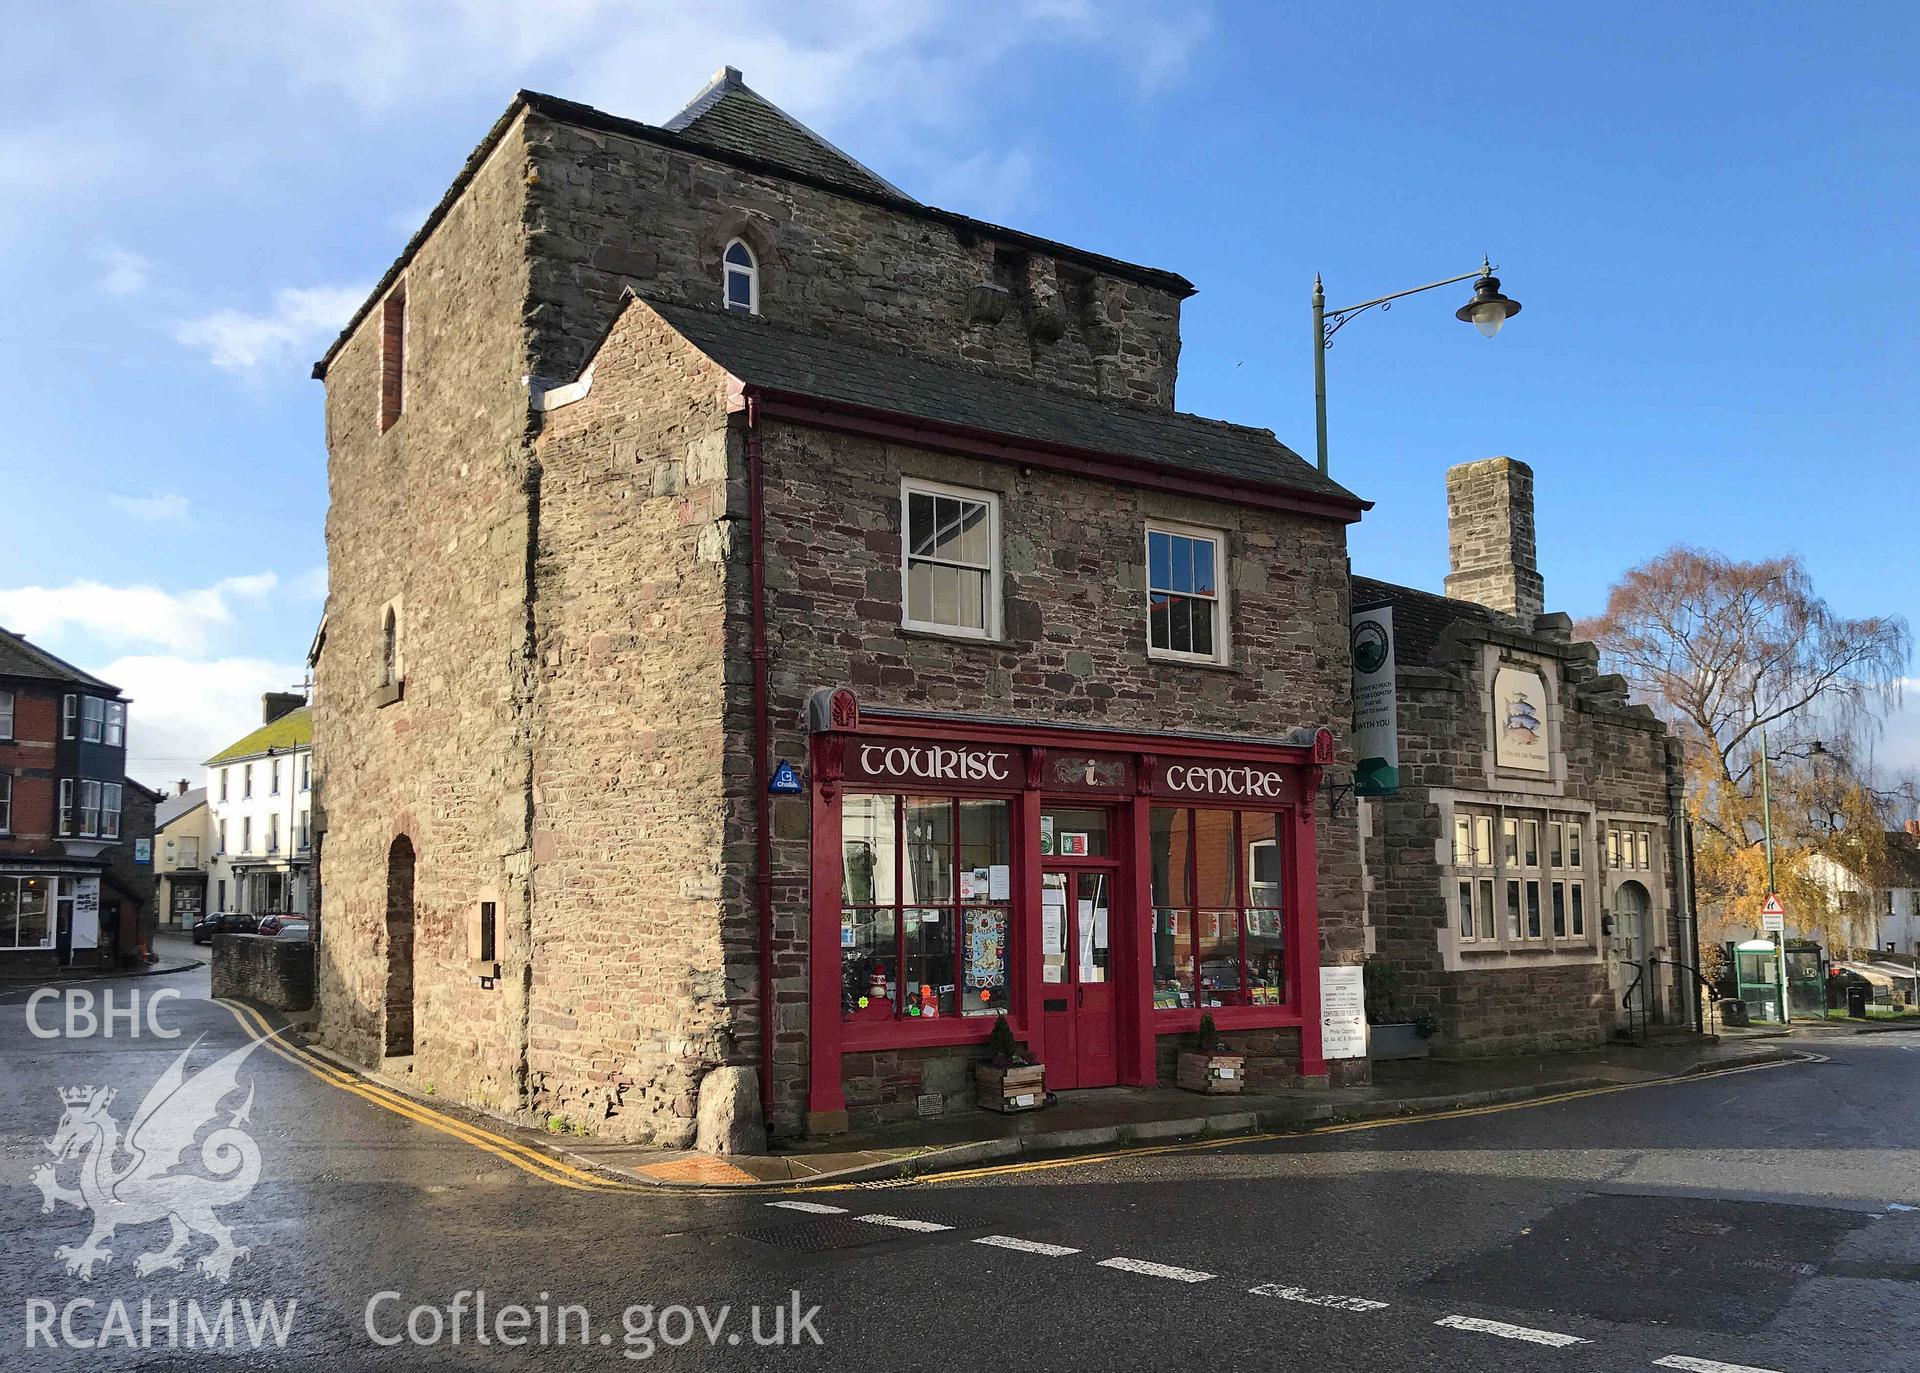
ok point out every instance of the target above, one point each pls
(1100, 889)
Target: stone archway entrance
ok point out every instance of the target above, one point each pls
(399, 1004)
(1633, 982)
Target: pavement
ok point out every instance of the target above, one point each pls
(1764, 1217)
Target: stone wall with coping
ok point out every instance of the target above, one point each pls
(434, 512)
(610, 212)
(266, 970)
(1073, 651)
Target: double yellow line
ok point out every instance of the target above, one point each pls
(524, 1157)
(993, 1170)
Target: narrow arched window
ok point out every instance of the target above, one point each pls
(741, 278)
(390, 649)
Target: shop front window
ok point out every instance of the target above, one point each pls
(1219, 911)
(926, 890)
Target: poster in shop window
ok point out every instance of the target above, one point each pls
(986, 949)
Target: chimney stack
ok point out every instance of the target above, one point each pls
(274, 704)
(182, 784)
(1490, 544)
(1913, 829)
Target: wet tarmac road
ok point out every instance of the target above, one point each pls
(1764, 1219)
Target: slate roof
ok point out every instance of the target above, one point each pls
(731, 116)
(1904, 850)
(1419, 617)
(895, 382)
(292, 730)
(181, 803)
(19, 658)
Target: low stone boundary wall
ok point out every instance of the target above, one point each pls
(264, 969)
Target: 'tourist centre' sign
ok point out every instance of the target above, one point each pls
(1211, 780)
(887, 760)
(992, 767)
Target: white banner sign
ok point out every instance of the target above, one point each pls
(1343, 1012)
(1376, 721)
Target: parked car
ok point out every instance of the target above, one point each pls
(223, 922)
(287, 926)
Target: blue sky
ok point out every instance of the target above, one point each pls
(1708, 211)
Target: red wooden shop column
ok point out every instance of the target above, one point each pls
(1306, 938)
(826, 1102)
(1023, 969)
(1138, 1066)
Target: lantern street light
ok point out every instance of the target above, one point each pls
(1487, 311)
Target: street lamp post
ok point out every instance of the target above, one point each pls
(1486, 311)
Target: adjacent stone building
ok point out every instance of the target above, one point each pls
(775, 624)
(1523, 887)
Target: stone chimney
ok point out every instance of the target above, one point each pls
(274, 704)
(1490, 548)
(184, 787)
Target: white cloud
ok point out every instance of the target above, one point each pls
(312, 584)
(162, 507)
(993, 186)
(300, 320)
(1899, 747)
(124, 273)
(182, 621)
(184, 711)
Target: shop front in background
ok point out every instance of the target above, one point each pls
(1100, 890)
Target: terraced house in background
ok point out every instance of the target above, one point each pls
(73, 889)
(776, 624)
(260, 813)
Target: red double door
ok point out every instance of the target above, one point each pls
(1082, 914)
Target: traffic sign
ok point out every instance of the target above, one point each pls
(1773, 906)
(1773, 915)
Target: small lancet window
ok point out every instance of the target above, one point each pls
(741, 278)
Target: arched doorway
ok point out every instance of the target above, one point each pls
(399, 1020)
(1633, 982)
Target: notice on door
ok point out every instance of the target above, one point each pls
(1343, 1012)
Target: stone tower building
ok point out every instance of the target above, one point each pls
(778, 624)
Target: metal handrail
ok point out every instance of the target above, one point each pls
(1626, 1002)
(1700, 980)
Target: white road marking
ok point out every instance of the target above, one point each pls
(1509, 1332)
(1901, 1206)
(1705, 1365)
(1157, 1270)
(1052, 1251)
(1332, 1299)
(902, 1223)
(812, 1208)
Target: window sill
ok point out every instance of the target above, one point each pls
(953, 637)
(1204, 664)
(389, 692)
(904, 1034)
(1187, 1019)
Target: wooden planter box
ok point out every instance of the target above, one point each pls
(1213, 1074)
(1010, 1089)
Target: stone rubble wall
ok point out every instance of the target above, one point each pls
(434, 512)
(645, 969)
(266, 970)
(611, 212)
